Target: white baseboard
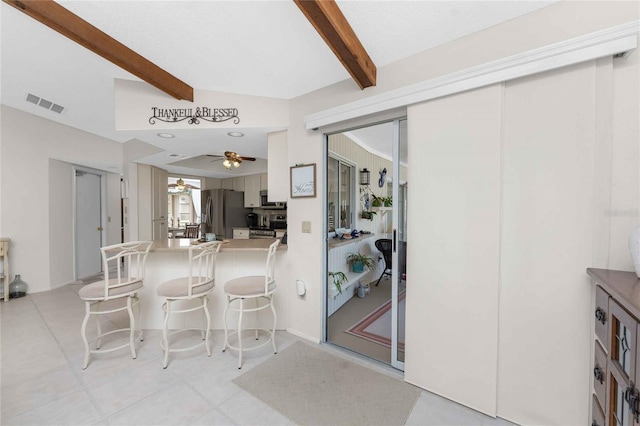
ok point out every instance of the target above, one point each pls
(303, 335)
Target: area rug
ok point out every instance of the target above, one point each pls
(313, 387)
(376, 326)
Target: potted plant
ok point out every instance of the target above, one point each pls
(339, 278)
(359, 261)
(367, 214)
(381, 201)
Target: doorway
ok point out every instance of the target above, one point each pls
(88, 220)
(366, 202)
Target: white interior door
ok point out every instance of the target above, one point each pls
(88, 223)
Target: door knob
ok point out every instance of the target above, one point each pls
(100, 228)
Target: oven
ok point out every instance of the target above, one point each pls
(278, 221)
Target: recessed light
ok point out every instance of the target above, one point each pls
(236, 134)
(166, 135)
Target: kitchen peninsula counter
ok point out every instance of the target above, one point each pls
(244, 245)
(169, 259)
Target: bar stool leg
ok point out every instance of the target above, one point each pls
(132, 328)
(273, 329)
(240, 333)
(205, 303)
(226, 328)
(165, 333)
(83, 330)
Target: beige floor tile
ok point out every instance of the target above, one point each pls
(43, 382)
(71, 409)
(29, 394)
(178, 404)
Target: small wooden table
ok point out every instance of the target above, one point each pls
(4, 275)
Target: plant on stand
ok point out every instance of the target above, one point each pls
(359, 261)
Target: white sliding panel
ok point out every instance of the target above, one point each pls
(547, 241)
(452, 298)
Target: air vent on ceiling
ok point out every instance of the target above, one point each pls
(44, 103)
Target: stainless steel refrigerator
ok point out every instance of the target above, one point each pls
(222, 210)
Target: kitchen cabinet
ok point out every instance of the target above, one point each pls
(264, 182)
(615, 396)
(159, 197)
(238, 184)
(252, 191)
(159, 203)
(240, 233)
(160, 229)
(227, 183)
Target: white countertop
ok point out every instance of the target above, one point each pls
(336, 242)
(183, 244)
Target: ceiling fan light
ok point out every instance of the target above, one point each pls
(226, 163)
(236, 163)
(180, 184)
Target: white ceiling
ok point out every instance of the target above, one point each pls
(262, 48)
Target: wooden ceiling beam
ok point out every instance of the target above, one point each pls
(333, 27)
(77, 29)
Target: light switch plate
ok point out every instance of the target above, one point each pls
(306, 227)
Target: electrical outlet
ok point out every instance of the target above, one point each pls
(306, 227)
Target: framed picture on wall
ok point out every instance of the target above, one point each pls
(303, 181)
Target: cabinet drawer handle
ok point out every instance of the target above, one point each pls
(632, 397)
(601, 315)
(598, 374)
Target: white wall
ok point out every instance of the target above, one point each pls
(61, 222)
(29, 183)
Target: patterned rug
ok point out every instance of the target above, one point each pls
(376, 326)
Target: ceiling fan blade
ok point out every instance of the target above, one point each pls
(247, 158)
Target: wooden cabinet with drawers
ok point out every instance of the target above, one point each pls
(616, 362)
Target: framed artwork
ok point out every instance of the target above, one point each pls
(303, 181)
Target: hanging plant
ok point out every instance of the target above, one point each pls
(366, 214)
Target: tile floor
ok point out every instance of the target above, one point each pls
(42, 382)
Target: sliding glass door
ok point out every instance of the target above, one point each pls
(366, 219)
(399, 242)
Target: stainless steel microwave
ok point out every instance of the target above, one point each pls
(264, 203)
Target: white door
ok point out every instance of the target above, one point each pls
(88, 223)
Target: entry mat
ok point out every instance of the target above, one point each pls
(313, 387)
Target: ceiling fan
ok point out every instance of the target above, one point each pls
(181, 186)
(232, 158)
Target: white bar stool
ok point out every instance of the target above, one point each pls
(123, 266)
(197, 285)
(257, 287)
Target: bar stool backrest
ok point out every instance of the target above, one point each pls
(123, 264)
(202, 264)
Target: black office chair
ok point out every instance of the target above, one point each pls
(384, 245)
